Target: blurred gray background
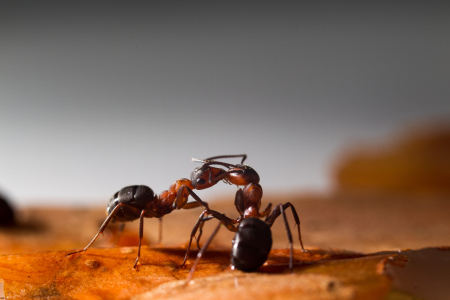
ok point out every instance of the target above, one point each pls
(99, 95)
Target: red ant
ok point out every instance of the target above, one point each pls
(139, 202)
(253, 236)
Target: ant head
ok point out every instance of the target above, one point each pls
(202, 177)
(206, 176)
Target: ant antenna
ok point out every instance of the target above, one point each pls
(207, 163)
(244, 157)
(198, 160)
(213, 158)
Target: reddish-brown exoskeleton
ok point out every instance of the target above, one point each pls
(139, 202)
(248, 199)
(247, 203)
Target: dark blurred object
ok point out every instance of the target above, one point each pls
(6, 213)
(417, 161)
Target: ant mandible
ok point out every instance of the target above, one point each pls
(139, 202)
(251, 230)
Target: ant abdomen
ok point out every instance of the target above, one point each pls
(251, 245)
(135, 197)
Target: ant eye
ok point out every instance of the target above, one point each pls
(200, 181)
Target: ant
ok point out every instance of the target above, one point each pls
(253, 239)
(7, 215)
(139, 202)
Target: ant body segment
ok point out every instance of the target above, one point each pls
(139, 202)
(247, 200)
(253, 239)
(7, 215)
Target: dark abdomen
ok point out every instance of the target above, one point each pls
(135, 199)
(251, 245)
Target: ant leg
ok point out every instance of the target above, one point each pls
(200, 233)
(224, 220)
(193, 232)
(205, 218)
(239, 201)
(279, 209)
(297, 222)
(102, 228)
(190, 205)
(197, 198)
(200, 253)
(180, 201)
(266, 211)
(213, 214)
(288, 232)
(276, 212)
(118, 234)
(160, 231)
(141, 234)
